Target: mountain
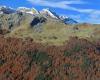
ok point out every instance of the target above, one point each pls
(6, 10)
(67, 20)
(28, 10)
(47, 13)
(45, 29)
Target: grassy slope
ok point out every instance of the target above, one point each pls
(56, 33)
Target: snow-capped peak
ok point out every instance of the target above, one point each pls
(35, 11)
(28, 10)
(63, 17)
(23, 8)
(1, 7)
(67, 20)
(47, 12)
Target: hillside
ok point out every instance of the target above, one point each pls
(27, 60)
(41, 45)
(45, 26)
(57, 33)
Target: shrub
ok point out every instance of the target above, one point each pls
(1, 62)
(68, 65)
(40, 58)
(77, 48)
(43, 77)
(74, 49)
(72, 76)
(67, 53)
(86, 63)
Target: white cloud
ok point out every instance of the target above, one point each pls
(62, 4)
(56, 4)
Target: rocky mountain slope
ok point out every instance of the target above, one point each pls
(12, 18)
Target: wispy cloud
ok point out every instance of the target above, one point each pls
(93, 17)
(62, 4)
(48, 2)
(57, 4)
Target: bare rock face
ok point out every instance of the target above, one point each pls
(38, 20)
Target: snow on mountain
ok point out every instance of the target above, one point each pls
(35, 11)
(49, 13)
(67, 20)
(45, 12)
(62, 17)
(28, 10)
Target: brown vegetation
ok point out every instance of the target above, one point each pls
(20, 59)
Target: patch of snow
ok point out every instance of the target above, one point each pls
(48, 13)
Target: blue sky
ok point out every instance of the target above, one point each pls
(80, 10)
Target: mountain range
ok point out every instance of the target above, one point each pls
(46, 13)
(44, 26)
